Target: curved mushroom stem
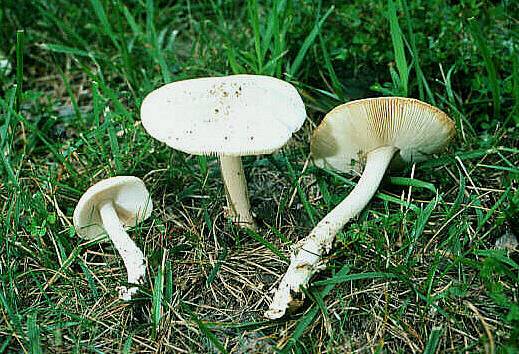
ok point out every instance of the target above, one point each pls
(306, 256)
(236, 191)
(131, 254)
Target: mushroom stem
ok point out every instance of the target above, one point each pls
(306, 256)
(131, 254)
(236, 191)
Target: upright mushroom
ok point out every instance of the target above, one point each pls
(228, 116)
(365, 134)
(110, 206)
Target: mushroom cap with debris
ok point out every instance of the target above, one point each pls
(352, 130)
(129, 196)
(233, 115)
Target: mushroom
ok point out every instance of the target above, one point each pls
(367, 134)
(110, 206)
(230, 116)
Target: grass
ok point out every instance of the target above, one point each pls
(417, 271)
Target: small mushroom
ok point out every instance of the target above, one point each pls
(366, 135)
(110, 206)
(230, 116)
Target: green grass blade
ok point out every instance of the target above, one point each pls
(398, 47)
(459, 197)
(280, 27)
(448, 86)
(422, 81)
(205, 330)
(319, 301)
(98, 105)
(420, 223)
(101, 15)
(492, 210)
(127, 347)
(515, 84)
(512, 169)
(395, 200)
(412, 182)
(499, 255)
(59, 48)
(267, 244)
(71, 31)
(137, 30)
(8, 105)
(114, 144)
(252, 8)
(493, 79)
(336, 83)
(202, 163)
(309, 40)
(217, 266)
(434, 339)
(300, 192)
(5, 344)
(168, 283)
(12, 315)
(240, 325)
(20, 39)
(5, 148)
(71, 95)
(273, 22)
(89, 277)
(279, 235)
(153, 40)
(300, 329)
(338, 279)
(309, 316)
(33, 333)
(112, 95)
(156, 301)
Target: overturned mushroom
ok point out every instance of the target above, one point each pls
(369, 134)
(228, 116)
(110, 206)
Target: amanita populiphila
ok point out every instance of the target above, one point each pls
(110, 206)
(229, 116)
(365, 135)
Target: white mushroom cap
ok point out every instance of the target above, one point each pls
(130, 198)
(352, 130)
(233, 115)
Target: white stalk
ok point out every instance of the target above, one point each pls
(236, 191)
(306, 256)
(132, 256)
